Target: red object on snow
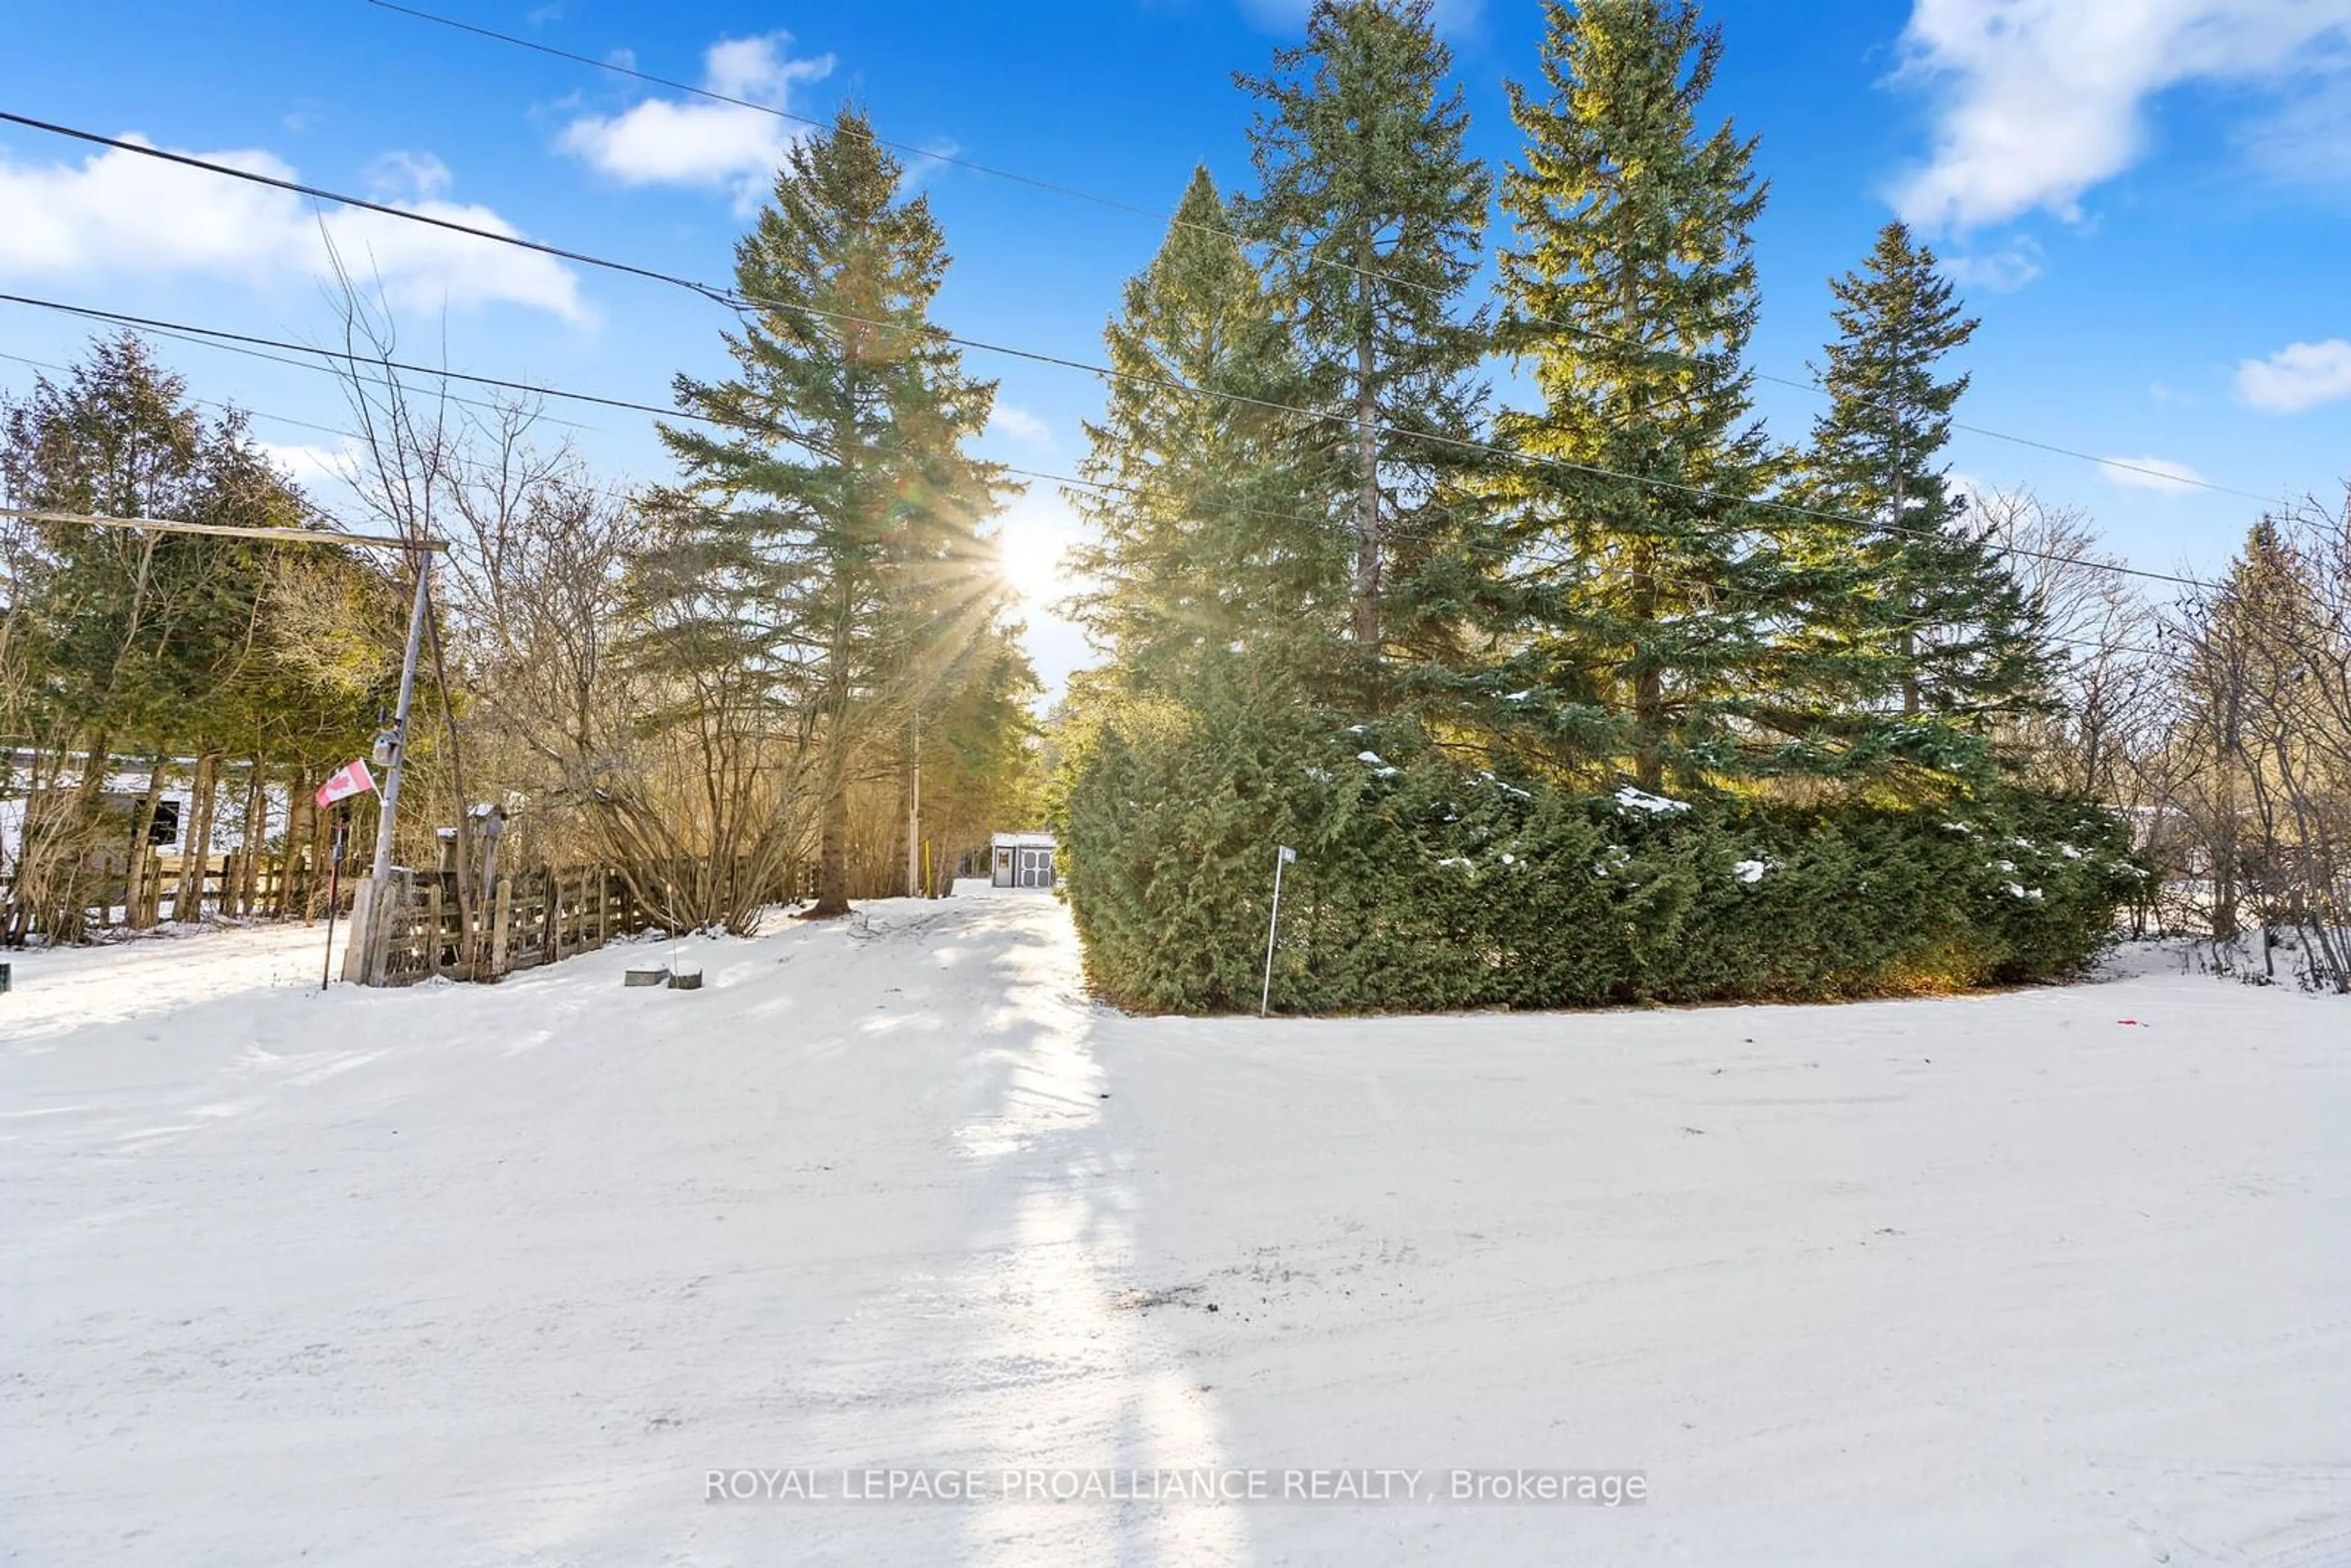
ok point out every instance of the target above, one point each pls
(2134, 1022)
(348, 781)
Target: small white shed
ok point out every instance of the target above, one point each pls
(1020, 860)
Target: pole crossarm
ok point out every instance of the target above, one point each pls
(274, 536)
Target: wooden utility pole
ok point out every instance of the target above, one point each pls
(369, 909)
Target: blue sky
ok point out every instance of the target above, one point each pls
(2147, 201)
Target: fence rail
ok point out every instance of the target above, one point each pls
(147, 891)
(427, 931)
(430, 924)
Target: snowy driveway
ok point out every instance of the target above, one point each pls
(498, 1276)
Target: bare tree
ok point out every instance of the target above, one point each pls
(2108, 719)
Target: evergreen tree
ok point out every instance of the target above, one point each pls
(821, 556)
(1210, 539)
(1373, 213)
(121, 646)
(1911, 610)
(1633, 292)
(979, 762)
(2238, 655)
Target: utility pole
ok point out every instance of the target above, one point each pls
(915, 819)
(396, 766)
(364, 947)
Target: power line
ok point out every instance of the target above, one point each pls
(237, 339)
(949, 159)
(738, 301)
(225, 530)
(247, 342)
(1108, 488)
(1305, 256)
(195, 338)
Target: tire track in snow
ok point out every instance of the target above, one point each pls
(1027, 1354)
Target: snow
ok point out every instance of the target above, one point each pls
(1507, 789)
(1631, 800)
(1751, 871)
(498, 1275)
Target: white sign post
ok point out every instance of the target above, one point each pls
(1266, 996)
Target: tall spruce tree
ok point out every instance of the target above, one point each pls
(1372, 213)
(1212, 519)
(822, 547)
(1632, 290)
(1913, 612)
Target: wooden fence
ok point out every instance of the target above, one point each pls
(145, 893)
(527, 919)
(425, 929)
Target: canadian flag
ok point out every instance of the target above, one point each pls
(354, 779)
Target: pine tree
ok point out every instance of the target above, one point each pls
(1633, 292)
(1911, 610)
(1209, 518)
(1373, 213)
(822, 557)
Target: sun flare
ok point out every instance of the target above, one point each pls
(1033, 544)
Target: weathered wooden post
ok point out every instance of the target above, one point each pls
(501, 915)
(489, 827)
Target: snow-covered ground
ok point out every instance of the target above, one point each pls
(491, 1276)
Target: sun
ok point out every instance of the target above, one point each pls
(1033, 540)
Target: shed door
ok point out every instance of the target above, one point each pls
(1036, 867)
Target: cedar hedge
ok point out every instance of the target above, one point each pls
(1423, 887)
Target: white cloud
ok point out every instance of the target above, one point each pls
(2170, 396)
(310, 466)
(2307, 139)
(2002, 271)
(2042, 100)
(1020, 426)
(697, 142)
(119, 215)
(414, 175)
(2298, 376)
(2158, 473)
